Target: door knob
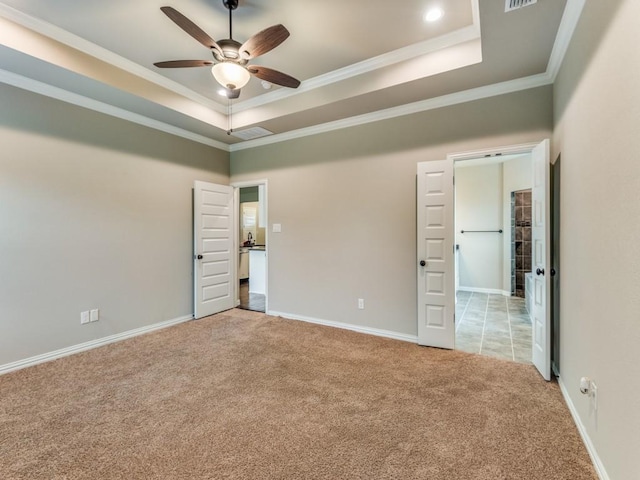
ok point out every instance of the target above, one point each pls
(539, 271)
(553, 272)
(199, 257)
(422, 263)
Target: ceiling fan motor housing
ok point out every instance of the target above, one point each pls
(231, 50)
(230, 4)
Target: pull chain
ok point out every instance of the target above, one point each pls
(229, 113)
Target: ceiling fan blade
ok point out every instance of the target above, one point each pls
(273, 76)
(191, 28)
(264, 41)
(184, 63)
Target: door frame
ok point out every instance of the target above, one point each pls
(524, 148)
(236, 226)
(556, 199)
(519, 149)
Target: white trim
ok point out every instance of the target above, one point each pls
(50, 91)
(348, 326)
(54, 32)
(494, 291)
(593, 453)
(522, 148)
(566, 30)
(65, 352)
(78, 43)
(457, 98)
(460, 36)
(475, 12)
(249, 183)
(236, 243)
(479, 93)
(568, 24)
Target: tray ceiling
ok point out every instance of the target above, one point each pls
(354, 59)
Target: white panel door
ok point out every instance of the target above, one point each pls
(214, 259)
(541, 260)
(435, 262)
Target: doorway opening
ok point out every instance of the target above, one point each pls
(252, 245)
(437, 207)
(493, 255)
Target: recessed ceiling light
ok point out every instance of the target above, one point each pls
(434, 15)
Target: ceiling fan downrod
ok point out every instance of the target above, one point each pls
(230, 5)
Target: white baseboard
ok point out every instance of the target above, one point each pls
(65, 352)
(597, 463)
(494, 291)
(348, 326)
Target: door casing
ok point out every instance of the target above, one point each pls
(506, 150)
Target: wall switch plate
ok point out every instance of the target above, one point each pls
(277, 228)
(361, 303)
(84, 317)
(95, 315)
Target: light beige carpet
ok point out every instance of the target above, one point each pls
(245, 396)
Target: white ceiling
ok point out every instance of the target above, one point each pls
(357, 60)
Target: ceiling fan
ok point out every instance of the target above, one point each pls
(230, 65)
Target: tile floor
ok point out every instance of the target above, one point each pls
(251, 301)
(493, 325)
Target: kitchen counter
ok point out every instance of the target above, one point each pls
(244, 248)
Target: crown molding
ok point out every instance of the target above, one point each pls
(411, 51)
(466, 34)
(568, 24)
(50, 91)
(566, 30)
(381, 61)
(67, 38)
(402, 110)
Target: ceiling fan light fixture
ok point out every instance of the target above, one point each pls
(230, 75)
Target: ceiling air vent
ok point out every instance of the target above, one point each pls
(251, 133)
(510, 5)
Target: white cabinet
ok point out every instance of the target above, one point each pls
(243, 264)
(257, 271)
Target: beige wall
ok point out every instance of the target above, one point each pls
(597, 108)
(347, 204)
(479, 207)
(95, 212)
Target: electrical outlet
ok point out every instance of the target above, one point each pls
(95, 315)
(361, 303)
(84, 317)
